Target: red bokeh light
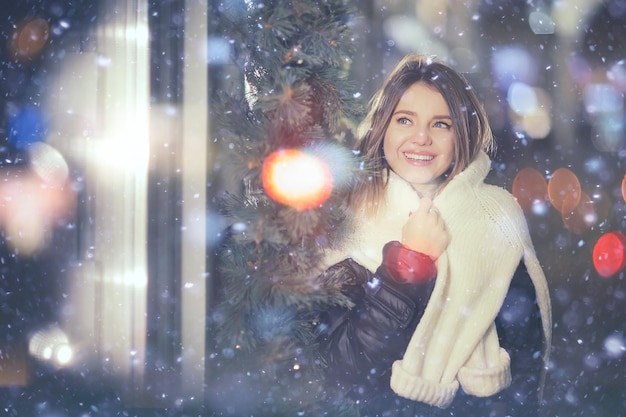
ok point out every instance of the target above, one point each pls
(297, 179)
(608, 254)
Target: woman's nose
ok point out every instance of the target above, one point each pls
(421, 137)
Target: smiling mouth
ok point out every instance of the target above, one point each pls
(417, 157)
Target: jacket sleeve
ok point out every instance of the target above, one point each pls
(520, 333)
(359, 344)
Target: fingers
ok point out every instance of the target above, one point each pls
(425, 205)
(427, 212)
(425, 230)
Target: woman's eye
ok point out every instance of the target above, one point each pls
(404, 121)
(442, 125)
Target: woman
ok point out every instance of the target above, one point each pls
(445, 320)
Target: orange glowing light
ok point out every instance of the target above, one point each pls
(529, 188)
(297, 179)
(30, 208)
(608, 254)
(564, 189)
(30, 38)
(578, 219)
(601, 201)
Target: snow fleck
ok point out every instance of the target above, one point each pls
(615, 345)
(374, 284)
(239, 227)
(592, 361)
(103, 61)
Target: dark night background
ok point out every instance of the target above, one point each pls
(587, 375)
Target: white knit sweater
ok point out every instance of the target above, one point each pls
(456, 340)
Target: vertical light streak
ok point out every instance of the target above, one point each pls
(195, 162)
(100, 105)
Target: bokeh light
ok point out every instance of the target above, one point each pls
(27, 126)
(49, 164)
(616, 75)
(541, 23)
(530, 188)
(30, 38)
(602, 202)
(529, 109)
(522, 98)
(51, 345)
(580, 217)
(615, 345)
(567, 18)
(538, 123)
(30, 209)
(513, 64)
(297, 179)
(608, 131)
(563, 187)
(608, 254)
(604, 102)
(602, 98)
(624, 188)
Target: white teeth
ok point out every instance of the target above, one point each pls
(417, 157)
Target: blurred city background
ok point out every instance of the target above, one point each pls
(111, 163)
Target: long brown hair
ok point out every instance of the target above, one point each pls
(469, 121)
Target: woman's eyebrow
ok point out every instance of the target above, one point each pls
(412, 113)
(409, 112)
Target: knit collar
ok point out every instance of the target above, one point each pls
(370, 234)
(400, 191)
(474, 174)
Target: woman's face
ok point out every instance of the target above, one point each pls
(419, 141)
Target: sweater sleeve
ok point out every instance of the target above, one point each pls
(359, 344)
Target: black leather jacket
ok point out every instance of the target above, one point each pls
(360, 344)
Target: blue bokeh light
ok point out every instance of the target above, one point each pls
(28, 126)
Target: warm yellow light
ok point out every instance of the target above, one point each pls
(297, 179)
(51, 345)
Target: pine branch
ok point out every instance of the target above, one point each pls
(290, 106)
(294, 56)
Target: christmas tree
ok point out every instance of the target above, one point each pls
(292, 124)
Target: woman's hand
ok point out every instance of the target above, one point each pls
(425, 230)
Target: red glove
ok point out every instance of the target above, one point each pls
(407, 266)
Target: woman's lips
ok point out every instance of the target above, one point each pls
(418, 157)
